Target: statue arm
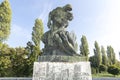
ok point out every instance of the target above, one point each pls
(70, 39)
(44, 38)
(68, 46)
(49, 20)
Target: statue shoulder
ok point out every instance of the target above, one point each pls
(45, 36)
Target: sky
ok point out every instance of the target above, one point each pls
(98, 20)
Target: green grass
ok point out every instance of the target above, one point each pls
(104, 75)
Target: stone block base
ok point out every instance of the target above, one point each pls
(62, 71)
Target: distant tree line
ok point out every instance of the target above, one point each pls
(102, 60)
(18, 62)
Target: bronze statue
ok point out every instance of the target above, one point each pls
(57, 40)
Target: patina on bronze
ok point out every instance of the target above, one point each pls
(57, 40)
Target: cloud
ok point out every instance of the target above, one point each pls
(19, 36)
(109, 22)
(46, 9)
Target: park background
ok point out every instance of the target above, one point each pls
(96, 20)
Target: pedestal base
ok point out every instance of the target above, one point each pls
(62, 71)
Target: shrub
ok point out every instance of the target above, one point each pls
(113, 70)
(103, 68)
(93, 70)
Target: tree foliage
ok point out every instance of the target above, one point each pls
(113, 70)
(37, 32)
(93, 61)
(111, 55)
(84, 49)
(97, 57)
(104, 56)
(97, 54)
(102, 68)
(5, 60)
(14, 63)
(5, 20)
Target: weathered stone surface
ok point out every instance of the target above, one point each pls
(61, 58)
(23, 78)
(62, 71)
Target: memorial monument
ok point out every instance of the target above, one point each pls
(60, 60)
(57, 40)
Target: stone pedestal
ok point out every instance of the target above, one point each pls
(62, 71)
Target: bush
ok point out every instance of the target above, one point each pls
(113, 70)
(103, 68)
(93, 70)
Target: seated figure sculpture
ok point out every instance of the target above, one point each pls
(57, 40)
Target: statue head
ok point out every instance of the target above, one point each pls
(67, 7)
(60, 17)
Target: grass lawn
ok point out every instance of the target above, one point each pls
(104, 75)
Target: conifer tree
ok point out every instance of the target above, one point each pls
(84, 49)
(111, 55)
(37, 32)
(5, 20)
(97, 55)
(36, 36)
(104, 56)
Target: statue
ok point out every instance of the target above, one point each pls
(57, 40)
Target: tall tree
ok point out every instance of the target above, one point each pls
(97, 55)
(36, 37)
(37, 32)
(84, 49)
(104, 56)
(111, 55)
(5, 20)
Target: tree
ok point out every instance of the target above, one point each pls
(117, 63)
(18, 65)
(37, 32)
(36, 36)
(93, 61)
(104, 57)
(21, 65)
(113, 70)
(29, 48)
(5, 20)
(31, 52)
(111, 55)
(5, 62)
(84, 50)
(103, 68)
(97, 55)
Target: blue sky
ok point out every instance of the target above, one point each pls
(96, 19)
